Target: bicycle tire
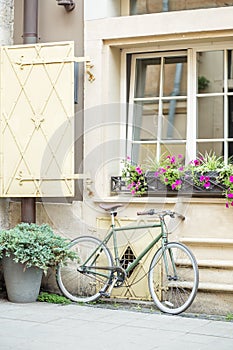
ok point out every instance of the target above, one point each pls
(85, 286)
(173, 292)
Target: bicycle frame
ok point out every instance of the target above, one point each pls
(113, 233)
(172, 273)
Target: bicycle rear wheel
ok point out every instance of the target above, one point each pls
(84, 283)
(173, 278)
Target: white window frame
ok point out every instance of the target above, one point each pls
(191, 134)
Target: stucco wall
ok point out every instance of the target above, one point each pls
(6, 38)
(104, 108)
(6, 21)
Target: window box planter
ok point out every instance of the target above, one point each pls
(155, 187)
(118, 185)
(215, 188)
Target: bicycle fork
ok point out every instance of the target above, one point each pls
(172, 272)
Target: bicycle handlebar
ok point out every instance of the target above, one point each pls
(162, 213)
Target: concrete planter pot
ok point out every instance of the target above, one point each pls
(22, 285)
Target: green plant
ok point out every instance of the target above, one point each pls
(229, 316)
(226, 178)
(203, 166)
(205, 170)
(53, 298)
(208, 162)
(35, 245)
(134, 177)
(171, 170)
(203, 83)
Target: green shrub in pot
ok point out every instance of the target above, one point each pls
(28, 250)
(35, 245)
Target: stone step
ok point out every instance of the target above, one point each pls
(215, 287)
(192, 241)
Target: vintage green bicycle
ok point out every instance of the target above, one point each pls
(172, 277)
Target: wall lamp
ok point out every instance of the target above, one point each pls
(68, 4)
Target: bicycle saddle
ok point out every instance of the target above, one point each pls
(110, 207)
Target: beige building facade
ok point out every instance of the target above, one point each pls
(138, 50)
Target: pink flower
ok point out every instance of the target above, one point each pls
(173, 159)
(207, 185)
(231, 178)
(132, 184)
(202, 178)
(162, 170)
(180, 156)
(138, 170)
(227, 205)
(230, 195)
(178, 182)
(196, 162)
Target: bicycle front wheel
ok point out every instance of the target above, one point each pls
(83, 281)
(173, 278)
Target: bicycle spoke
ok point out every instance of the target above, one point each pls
(84, 281)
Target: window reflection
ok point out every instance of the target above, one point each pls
(175, 76)
(210, 147)
(174, 119)
(210, 117)
(145, 125)
(147, 77)
(210, 79)
(139, 7)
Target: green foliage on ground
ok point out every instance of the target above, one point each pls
(53, 298)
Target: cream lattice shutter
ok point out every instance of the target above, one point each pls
(37, 120)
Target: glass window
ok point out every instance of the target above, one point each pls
(165, 118)
(139, 7)
(147, 77)
(158, 94)
(210, 117)
(210, 79)
(215, 102)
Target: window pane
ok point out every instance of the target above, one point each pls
(173, 149)
(142, 153)
(230, 116)
(145, 124)
(210, 117)
(175, 76)
(210, 147)
(174, 119)
(147, 77)
(139, 7)
(230, 151)
(210, 79)
(230, 68)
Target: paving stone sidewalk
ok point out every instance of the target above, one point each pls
(44, 326)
